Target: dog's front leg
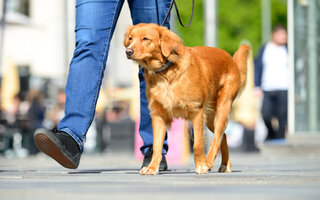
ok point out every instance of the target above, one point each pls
(198, 147)
(159, 131)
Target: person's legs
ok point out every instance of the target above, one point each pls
(281, 105)
(95, 23)
(151, 11)
(267, 113)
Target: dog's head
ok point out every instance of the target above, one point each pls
(146, 43)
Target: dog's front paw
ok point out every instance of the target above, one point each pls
(202, 168)
(225, 169)
(148, 171)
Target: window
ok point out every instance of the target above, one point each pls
(19, 6)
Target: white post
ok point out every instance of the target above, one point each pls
(3, 24)
(210, 22)
(291, 107)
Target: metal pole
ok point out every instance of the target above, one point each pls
(3, 24)
(65, 37)
(210, 18)
(210, 12)
(291, 107)
(266, 20)
(312, 67)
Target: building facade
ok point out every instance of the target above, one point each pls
(39, 37)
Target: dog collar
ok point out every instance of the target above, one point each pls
(164, 67)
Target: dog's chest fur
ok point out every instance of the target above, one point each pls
(174, 98)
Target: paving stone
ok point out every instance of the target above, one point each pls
(115, 176)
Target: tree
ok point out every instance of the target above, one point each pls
(238, 20)
(194, 34)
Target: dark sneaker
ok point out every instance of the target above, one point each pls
(59, 146)
(147, 159)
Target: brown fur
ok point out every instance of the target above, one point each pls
(200, 86)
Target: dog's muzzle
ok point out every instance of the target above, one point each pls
(129, 52)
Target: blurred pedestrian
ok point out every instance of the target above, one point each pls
(271, 81)
(23, 117)
(33, 119)
(36, 109)
(56, 112)
(95, 24)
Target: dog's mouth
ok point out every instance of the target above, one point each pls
(129, 57)
(132, 58)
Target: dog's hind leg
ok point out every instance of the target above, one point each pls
(225, 160)
(210, 125)
(220, 123)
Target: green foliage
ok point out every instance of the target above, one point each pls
(238, 20)
(194, 34)
(279, 12)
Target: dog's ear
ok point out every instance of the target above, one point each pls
(126, 36)
(169, 42)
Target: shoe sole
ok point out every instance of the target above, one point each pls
(49, 147)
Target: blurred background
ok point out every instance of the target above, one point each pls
(37, 43)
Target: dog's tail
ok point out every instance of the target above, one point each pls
(240, 58)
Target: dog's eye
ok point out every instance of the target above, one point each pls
(130, 38)
(145, 38)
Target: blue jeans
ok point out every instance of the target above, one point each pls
(95, 24)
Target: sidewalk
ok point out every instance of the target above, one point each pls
(108, 176)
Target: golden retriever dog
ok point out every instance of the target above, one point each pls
(197, 84)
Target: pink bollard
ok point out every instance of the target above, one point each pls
(176, 140)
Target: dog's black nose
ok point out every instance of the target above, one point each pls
(129, 52)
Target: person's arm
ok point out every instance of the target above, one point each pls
(258, 68)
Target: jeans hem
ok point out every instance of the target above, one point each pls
(75, 137)
(145, 149)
